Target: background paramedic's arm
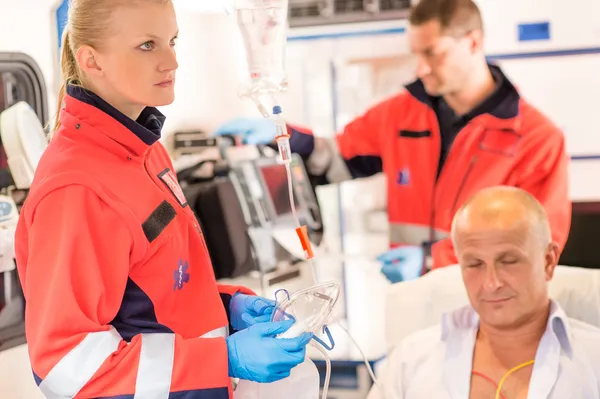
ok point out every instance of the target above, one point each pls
(354, 153)
(390, 383)
(545, 174)
(443, 254)
(76, 272)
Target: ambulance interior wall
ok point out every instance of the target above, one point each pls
(333, 79)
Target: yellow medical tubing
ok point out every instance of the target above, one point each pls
(519, 367)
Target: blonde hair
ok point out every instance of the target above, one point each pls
(88, 25)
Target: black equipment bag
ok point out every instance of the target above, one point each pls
(221, 218)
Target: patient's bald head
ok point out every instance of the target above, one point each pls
(504, 207)
(503, 242)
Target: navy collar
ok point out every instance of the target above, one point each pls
(503, 103)
(147, 127)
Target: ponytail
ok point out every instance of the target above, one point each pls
(70, 73)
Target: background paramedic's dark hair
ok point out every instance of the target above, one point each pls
(88, 25)
(456, 17)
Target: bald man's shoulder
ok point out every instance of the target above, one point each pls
(586, 339)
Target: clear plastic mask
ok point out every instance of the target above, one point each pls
(310, 308)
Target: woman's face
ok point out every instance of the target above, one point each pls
(136, 63)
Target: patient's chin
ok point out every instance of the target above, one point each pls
(500, 322)
(498, 315)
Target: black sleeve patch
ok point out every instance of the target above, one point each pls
(364, 166)
(158, 220)
(415, 134)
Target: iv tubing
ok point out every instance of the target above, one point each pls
(503, 379)
(291, 193)
(313, 269)
(362, 354)
(327, 368)
(294, 214)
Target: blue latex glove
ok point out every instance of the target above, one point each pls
(402, 263)
(248, 310)
(256, 355)
(252, 130)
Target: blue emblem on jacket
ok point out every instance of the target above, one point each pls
(403, 177)
(181, 275)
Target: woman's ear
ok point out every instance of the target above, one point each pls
(87, 60)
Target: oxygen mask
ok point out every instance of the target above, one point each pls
(310, 308)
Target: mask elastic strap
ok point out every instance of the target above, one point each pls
(280, 290)
(323, 344)
(287, 294)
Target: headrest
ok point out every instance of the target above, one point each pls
(24, 142)
(414, 305)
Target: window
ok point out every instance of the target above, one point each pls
(20, 80)
(327, 12)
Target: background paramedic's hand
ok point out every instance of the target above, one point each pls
(248, 310)
(256, 355)
(251, 130)
(402, 263)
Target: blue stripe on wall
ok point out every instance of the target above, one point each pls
(339, 35)
(62, 13)
(589, 157)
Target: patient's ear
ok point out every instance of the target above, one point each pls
(551, 260)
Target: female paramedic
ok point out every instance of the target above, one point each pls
(121, 297)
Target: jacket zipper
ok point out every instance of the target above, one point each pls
(463, 181)
(462, 184)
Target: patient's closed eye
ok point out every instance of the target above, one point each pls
(509, 259)
(474, 263)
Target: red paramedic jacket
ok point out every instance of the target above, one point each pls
(513, 145)
(121, 296)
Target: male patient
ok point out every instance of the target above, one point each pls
(502, 240)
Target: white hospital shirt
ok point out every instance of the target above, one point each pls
(437, 362)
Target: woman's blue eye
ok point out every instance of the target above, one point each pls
(147, 46)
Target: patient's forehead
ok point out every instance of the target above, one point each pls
(493, 224)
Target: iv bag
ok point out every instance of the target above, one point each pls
(302, 383)
(262, 24)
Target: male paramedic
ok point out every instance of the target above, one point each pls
(512, 341)
(460, 127)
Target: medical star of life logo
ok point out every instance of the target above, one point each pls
(181, 275)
